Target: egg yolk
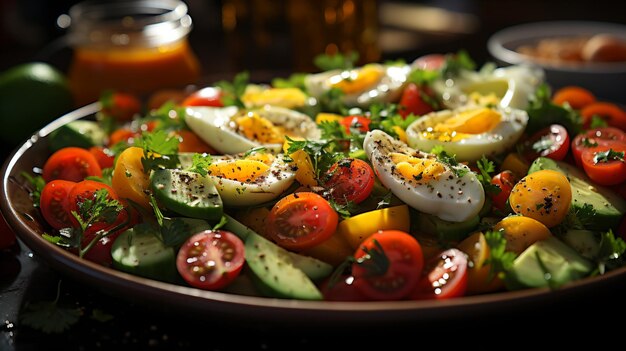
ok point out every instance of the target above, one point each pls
(464, 125)
(357, 80)
(260, 156)
(240, 170)
(285, 97)
(255, 127)
(417, 168)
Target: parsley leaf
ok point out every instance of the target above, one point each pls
(233, 91)
(611, 253)
(608, 156)
(295, 80)
(486, 167)
(542, 112)
(200, 164)
(321, 152)
(500, 260)
(37, 183)
(48, 316)
(160, 150)
(454, 64)
(597, 122)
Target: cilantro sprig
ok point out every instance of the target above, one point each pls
(37, 183)
(337, 61)
(486, 167)
(99, 208)
(48, 316)
(160, 150)
(233, 91)
(322, 153)
(500, 260)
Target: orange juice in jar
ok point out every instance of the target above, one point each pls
(132, 46)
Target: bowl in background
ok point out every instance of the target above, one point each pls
(607, 80)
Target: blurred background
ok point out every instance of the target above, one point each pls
(274, 38)
(284, 35)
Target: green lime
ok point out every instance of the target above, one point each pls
(31, 96)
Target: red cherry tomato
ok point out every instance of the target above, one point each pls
(101, 251)
(210, 260)
(504, 180)
(300, 221)
(393, 268)
(594, 137)
(552, 141)
(349, 180)
(605, 164)
(343, 290)
(415, 100)
(71, 163)
(430, 62)
(205, 97)
(54, 203)
(103, 155)
(121, 106)
(445, 276)
(360, 123)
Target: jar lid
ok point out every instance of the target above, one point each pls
(121, 23)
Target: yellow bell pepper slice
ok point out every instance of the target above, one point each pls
(357, 228)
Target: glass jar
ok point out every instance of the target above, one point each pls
(132, 46)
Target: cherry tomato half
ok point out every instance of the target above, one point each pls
(445, 276)
(389, 265)
(504, 180)
(210, 260)
(300, 221)
(415, 100)
(360, 123)
(71, 163)
(594, 137)
(349, 180)
(605, 164)
(552, 141)
(208, 96)
(54, 203)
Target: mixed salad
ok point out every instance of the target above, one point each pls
(395, 181)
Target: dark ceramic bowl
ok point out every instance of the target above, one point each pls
(28, 224)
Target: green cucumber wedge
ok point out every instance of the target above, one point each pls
(81, 133)
(315, 269)
(142, 253)
(187, 193)
(274, 273)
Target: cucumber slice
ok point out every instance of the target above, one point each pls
(315, 269)
(187, 193)
(81, 133)
(274, 272)
(143, 254)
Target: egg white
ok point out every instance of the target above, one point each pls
(449, 197)
(216, 127)
(512, 85)
(499, 139)
(387, 89)
(267, 187)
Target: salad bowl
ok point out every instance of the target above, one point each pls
(239, 304)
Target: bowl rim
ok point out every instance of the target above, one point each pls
(533, 31)
(244, 308)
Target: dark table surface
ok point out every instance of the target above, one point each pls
(592, 314)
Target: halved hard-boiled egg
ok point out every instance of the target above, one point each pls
(230, 130)
(510, 86)
(450, 192)
(363, 85)
(468, 132)
(247, 179)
